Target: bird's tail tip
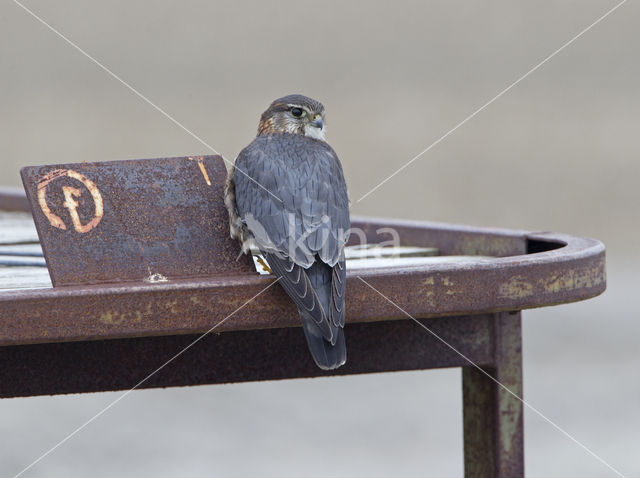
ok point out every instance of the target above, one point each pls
(325, 355)
(328, 366)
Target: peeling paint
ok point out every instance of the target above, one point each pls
(510, 411)
(579, 279)
(428, 281)
(516, 288)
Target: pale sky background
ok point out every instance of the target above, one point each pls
(558, 152)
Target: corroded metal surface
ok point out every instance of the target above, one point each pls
(492, 416)
(102, 365)
(573, 272)
(131, 220)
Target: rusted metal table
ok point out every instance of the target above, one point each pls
(111, 336)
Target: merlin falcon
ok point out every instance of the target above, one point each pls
(287, 198)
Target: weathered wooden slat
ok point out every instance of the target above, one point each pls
(21, 250)
(17, 228)
(24, 278)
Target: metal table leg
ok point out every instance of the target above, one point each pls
(493, 421)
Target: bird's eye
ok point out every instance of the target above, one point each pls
(297, 112)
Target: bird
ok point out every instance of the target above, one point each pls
(287, 197)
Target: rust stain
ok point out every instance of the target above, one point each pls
(202, 169)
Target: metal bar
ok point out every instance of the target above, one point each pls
(13, 199)
(493, 418)
(136, 309)
(102, 365)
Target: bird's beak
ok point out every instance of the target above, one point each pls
(317, 123)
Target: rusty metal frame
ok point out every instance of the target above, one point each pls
(574, 269)
(111, 336)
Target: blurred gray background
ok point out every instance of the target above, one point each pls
(557, 152)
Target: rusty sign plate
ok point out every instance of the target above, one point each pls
(134, 220)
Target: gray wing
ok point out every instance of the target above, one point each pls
(298, 204)
(301, 224)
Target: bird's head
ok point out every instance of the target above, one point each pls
(295, 114)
